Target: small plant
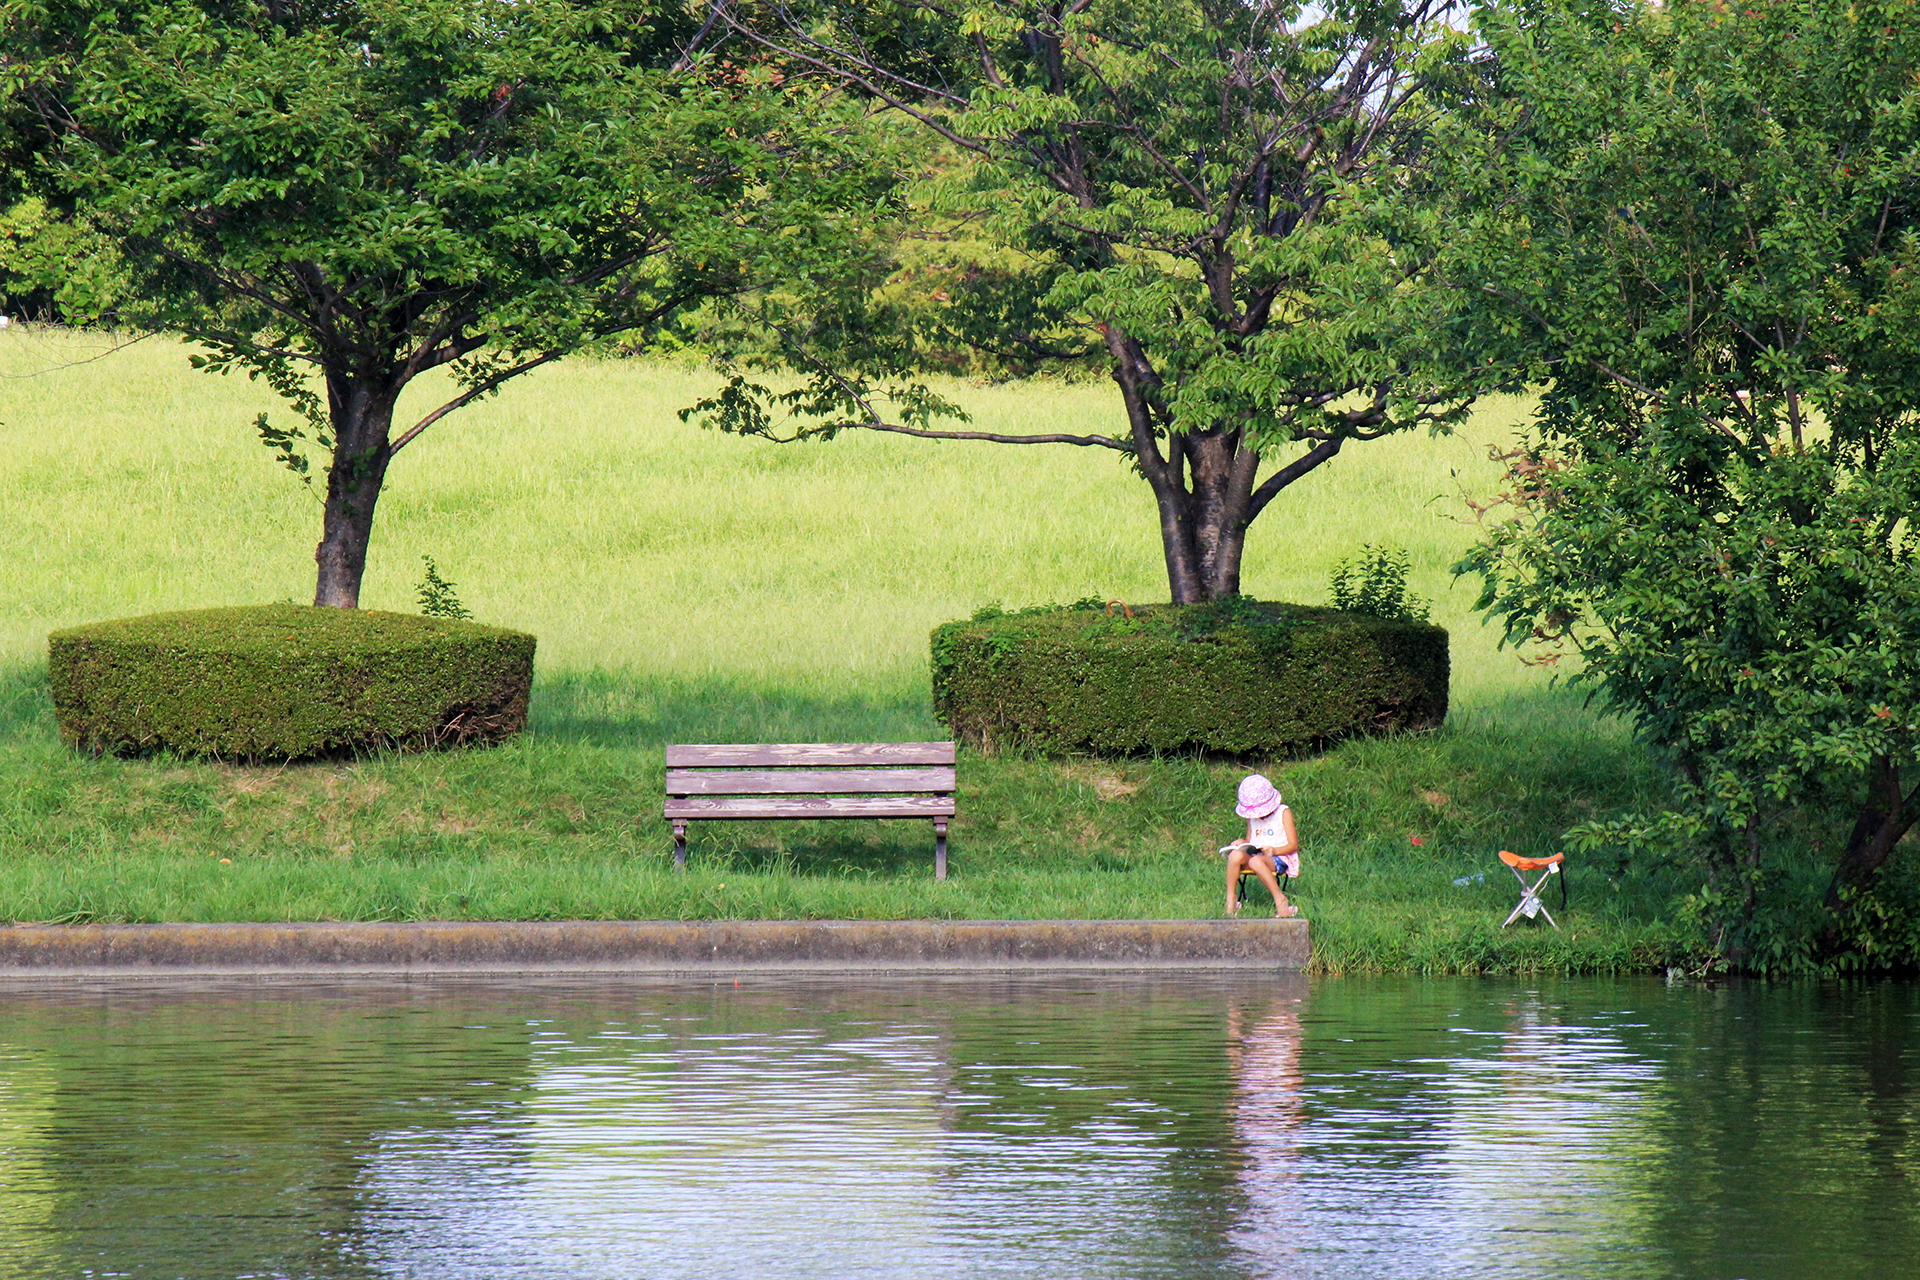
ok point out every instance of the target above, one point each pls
(1236, 610)
(1374, 582)
(437, 599)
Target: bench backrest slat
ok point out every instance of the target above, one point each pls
(777, 755)
(810, 807)
(760, 782)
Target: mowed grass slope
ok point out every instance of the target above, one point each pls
(687, 586)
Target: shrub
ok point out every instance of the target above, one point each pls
(436, 595)
(287, 681)
(1234, 677)
(1374, 582)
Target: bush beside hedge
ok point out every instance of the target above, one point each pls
(1237, 678)
(286, 681)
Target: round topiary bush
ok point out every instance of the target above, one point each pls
(1238, 677)
(285, 681)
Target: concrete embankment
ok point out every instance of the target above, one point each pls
(649, 946)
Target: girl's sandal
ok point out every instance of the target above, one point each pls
(1233, 910)
(1287, 912)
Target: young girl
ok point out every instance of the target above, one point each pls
(1271, 849)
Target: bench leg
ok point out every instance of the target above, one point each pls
(939, 849)
(680, 846)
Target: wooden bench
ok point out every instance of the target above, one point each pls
(811, 780)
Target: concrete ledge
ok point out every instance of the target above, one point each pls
(649, 946)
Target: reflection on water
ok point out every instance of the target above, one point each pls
(1072, 1127)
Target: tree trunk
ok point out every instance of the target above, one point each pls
(1214, 518)
(1203, 483)
(362, 418)
(1886, 817)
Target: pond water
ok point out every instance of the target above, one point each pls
(1059, 1127)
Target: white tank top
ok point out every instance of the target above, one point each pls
(1267, 832)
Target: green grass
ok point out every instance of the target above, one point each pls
(691, 587)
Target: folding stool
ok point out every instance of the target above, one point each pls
(1530, 904)
(1289, 885)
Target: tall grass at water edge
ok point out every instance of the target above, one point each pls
(687, 586)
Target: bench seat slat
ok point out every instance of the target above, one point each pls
(747, 755)
(762, 806)
(736, 782)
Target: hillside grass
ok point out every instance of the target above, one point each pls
(687, 586)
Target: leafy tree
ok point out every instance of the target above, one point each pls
(1185, 197)
(1702, 229)
(341, 198)
(53, 268)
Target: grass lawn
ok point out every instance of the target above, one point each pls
(692, 587)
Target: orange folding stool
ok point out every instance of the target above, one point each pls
(1530, 904)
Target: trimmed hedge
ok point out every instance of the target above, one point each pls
(286, 681)
(1237, 678)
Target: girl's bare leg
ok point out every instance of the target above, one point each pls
(1236, 863)
(1263, 867)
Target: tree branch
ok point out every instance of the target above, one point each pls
(471, 394)
(1105, 442)
(868, 82)
(1270, 488)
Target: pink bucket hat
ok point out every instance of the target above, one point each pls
(1257, 797)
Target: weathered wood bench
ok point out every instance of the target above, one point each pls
(811, 780)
